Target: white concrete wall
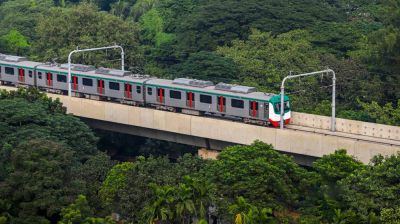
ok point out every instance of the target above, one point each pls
(347, 126)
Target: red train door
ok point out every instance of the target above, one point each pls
(21, 76)
(221, 104)
(161, 95)
(128, 90)
(49, 79)
(190, 99)
(253, 108)
(100, 85)
(75, 82)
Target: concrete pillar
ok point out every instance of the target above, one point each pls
(207, 153)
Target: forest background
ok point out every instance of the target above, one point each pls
(55, 169)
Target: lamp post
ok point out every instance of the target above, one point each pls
(92, 49)
(327, 71)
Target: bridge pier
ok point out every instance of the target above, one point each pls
(207, 153)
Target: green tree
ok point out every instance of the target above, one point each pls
(331, 169)
(115, 180)
(14, 43)
(386, 114)
(264, 59)
(28, 114)
(193, 197)
(380, 49)
(341, 38)
(183, 203)
(160, 208)
(80, 212)
(390, 215)
(93, 173)
(22, 15)
(39, 181)
(121, 8)
(142, 6)
(215, 23)
(337, 166)
(129, 201)
(152, 26)
(46, 157)
(207, 66)
(63, 29)
(353, 81)
(374, 188)
(246, 213)
(266, 178)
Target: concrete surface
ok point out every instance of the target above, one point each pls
(347, 126)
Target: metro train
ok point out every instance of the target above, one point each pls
(190, 96)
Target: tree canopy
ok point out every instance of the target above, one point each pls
(64, 29)
(42, 152)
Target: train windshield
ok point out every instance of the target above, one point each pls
(286, 106)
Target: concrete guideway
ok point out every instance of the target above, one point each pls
(296, 139)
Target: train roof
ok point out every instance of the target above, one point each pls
(211, 89)
(85, 70)
(15, 60)
(92, 72)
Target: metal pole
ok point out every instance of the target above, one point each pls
(69, 73)
(282, 99)
(333, 118)
(92, 49)
(122, 59)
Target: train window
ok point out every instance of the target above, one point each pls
(113, 85)
(175, 94)
(61, 78)
(10, 71)
(237, 103)
(39, 75)
(149, 91)
(87, 82)
(30, 74)
(139, 89)
(286, 106)
(205, 99)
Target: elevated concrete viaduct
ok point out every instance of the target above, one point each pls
(307, 138)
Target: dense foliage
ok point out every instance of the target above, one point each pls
(244, 42)
(51, 171)
(46, 158)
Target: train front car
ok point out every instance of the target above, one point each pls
(275, 108)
